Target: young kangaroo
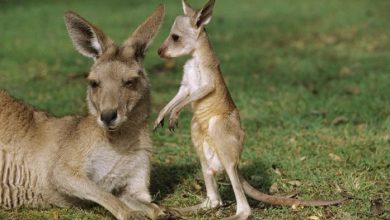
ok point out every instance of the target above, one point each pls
(103, 157)
(215, 128)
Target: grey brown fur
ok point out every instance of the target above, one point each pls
(103, 157)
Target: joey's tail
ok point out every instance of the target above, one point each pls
(280, 200)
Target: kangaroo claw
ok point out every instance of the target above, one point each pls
(158, 124)
(173, 124)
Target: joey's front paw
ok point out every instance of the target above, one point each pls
(159, 122)
(173, 121)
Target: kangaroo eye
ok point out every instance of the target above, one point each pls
(175, 37)
(94, 84)
(129, 83)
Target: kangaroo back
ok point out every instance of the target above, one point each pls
(18, 182)
(16, 119)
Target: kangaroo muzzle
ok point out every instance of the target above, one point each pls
(161, 51)
(108, 117)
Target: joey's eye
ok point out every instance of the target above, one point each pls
(175, 37)
(94, 84)
(129, 83)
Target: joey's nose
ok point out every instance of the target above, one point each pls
(108, 116)
(160, 51)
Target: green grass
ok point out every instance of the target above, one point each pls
(292, 67)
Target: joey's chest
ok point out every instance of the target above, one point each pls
(193, 77)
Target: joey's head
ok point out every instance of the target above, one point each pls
(117, 79)
(186, 30)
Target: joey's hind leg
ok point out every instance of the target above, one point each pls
(243, 210)
(227, 137)
(213, 199)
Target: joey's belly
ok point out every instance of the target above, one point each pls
(214, 165)
(210, 106)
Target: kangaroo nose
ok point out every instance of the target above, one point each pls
(108, 116)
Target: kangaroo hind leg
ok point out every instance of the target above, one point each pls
(227, 139)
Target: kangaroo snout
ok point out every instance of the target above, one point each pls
(108, 117)
(161, 51)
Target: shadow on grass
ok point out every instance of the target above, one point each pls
(165, 178)
(256, 174)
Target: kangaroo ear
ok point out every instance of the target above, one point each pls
(88, 39)
(187, 9)
(203, 17)
(143, 36)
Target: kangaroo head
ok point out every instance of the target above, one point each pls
(185, 31)
(117, 79)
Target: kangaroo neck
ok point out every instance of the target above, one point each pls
(204, 52)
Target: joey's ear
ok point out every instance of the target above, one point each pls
(88, 39)
(203, 16)
(187, 9)
(143, 36)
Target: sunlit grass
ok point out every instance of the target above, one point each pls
(311, 80)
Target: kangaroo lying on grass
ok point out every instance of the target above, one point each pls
(215, 128)
(103, 157)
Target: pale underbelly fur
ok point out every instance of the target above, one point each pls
(214, 164)
(193, 80)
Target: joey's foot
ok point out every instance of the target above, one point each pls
(204, 206)
(241, 216)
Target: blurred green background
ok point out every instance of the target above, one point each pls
(311, 80)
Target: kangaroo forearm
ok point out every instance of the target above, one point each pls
(83, 188)
(201, 93)
(197, 95)
(181, 95)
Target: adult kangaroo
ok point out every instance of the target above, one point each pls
(103, 157)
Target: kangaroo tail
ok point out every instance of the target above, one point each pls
(280, 200)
